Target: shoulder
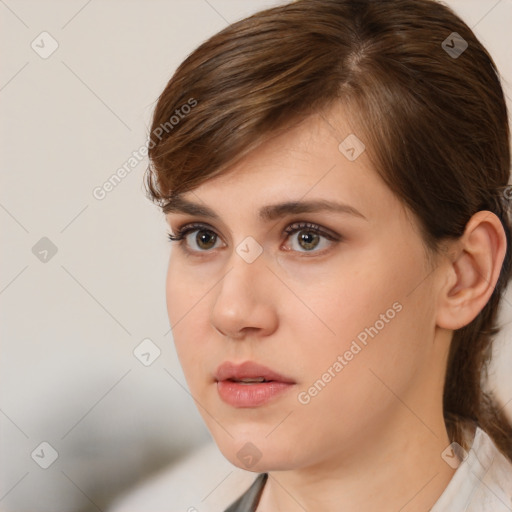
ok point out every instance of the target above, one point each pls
(204, 480)
(482, 483)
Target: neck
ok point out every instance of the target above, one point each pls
(400, 469)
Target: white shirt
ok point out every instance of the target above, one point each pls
(482, 482)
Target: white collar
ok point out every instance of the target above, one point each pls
(482, 482)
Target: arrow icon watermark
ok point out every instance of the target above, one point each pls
(147, 352)
(249, 249)
(351, 147)
(44, 455)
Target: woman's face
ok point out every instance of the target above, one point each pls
(302, 261)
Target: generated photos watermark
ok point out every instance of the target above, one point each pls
(357, 345)
(101, 191)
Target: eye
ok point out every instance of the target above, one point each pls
(300, 237)
(307, 237)
(196, 238)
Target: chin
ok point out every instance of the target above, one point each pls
(256, 456)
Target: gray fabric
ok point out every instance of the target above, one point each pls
(250, 498)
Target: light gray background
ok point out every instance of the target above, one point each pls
(69, 325)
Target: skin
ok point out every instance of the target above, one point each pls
(372, 438)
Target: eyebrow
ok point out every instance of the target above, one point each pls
(178, 204)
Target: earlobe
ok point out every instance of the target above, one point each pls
(473, 270)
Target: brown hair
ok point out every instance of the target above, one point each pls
(434, 123)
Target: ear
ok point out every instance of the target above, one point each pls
(472, 272)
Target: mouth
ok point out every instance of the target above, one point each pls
(250, 380)
(249, 373)
(250, 384)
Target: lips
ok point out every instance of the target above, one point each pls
(249, 371)
(250, 384)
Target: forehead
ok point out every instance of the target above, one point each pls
(307, 161)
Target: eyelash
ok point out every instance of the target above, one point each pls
(296, 227)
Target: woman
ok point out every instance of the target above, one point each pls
(334, 175)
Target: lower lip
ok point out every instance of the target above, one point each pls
(250, 395)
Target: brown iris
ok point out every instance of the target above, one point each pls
(308, 240)
(205, 239)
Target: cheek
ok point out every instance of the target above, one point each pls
(359, 320)
(342, 384)
(187, 311)
(338, 305)
(184, 291)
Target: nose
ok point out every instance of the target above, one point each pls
(244, 302)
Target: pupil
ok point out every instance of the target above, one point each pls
(205, 240)
(308, 240)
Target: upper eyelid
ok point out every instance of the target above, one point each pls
(304, 225)
(193, 226)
